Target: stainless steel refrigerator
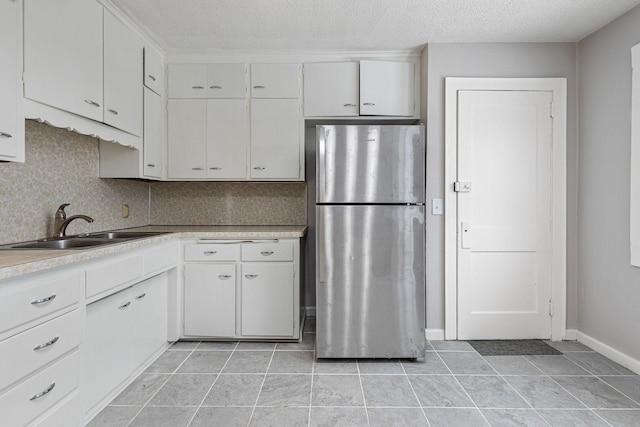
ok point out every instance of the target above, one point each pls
(370, 241)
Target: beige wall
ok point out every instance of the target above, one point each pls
(62, 167)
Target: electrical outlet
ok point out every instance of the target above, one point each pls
(125, 211)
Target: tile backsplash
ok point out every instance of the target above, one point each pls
(62, 167)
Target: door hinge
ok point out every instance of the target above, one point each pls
(551, 308)
(461, 187)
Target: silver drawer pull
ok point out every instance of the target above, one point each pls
(197, 87)
(258, 168)
(266, 253)
(215, 87)
(151, 165)
(43, 393)
(250, 276)
(197, 169)
(350, 105)
(258, 87)
(369, 104)
(47, 344)
(142, 295)
(5, 135)
(112, 111)
(125, 305)
(43, 300)
(224, 276)
(90, 102)
(216, 168)
(152, 78)
(209, 253)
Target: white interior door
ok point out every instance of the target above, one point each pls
(504, 214)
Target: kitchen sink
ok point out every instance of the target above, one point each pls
(83, 241)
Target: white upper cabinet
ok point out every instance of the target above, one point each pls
(227, 138)
(63, 55)
(11, 122)
(122, 77)
(370, 88)
(331, 89)
(153, 153)
(187, 80)
(187, 138)
(153, 71)
(386, 88)
(226, 81)
(275, 80)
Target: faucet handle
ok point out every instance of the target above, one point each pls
(60, 213)
(62, 206)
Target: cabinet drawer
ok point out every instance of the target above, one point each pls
(211, 252)
(36, 347)
(275, 80)
(267, 252)
(160, 258)
(39, 298)
(110, 274)
(64, 414)
(36, 395)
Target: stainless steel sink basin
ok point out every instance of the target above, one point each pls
(68, 243)
(124, 234)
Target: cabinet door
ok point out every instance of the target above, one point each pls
(210, 300)
(267, 299)
(149, 301)
(275, 139)
(63, 55)
(106, 348)
(187, 134)
(153, 152)
(11, 133)
(227, 138)
(386, 88)
(331, 89)
(187, 80)
(275, 80)
(226, 80)
(153, 71)
(122, 77)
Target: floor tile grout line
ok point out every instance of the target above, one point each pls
(264, 379)
(637, 402)
(364, 398)
(163, 384)
(415, 394)
(313, 369)
(213, 384)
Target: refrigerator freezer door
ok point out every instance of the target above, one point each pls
(370, 281)
(370, 164)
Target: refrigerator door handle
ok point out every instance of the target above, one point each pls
(322, 182)
(321, 267)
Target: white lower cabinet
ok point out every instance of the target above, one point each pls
(242, 289)
(122, 331)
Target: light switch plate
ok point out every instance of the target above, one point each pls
(437, 207)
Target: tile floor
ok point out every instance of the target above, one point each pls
(266, 384)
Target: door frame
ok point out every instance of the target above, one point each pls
(558, 88)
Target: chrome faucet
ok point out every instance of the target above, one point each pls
(61, 220)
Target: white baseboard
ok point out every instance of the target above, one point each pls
(610, 352)
(571, 335)
(434, 334)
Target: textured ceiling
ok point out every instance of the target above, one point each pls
(211, 25)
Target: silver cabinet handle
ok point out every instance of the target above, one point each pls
(258, 87)
(215, 87)
(216, 168)
(151, 165)
(197, 169)
(250, 276)
(224, 276)
(142, 295)
(47, 344)
(350, 105)
(125, 305)
(43, 300)
(208, 253)
(5, 135)
(259, 168)
(43, 393)
(369, 104)
(266, 253)
(152, 78)
(197, 87)
(112, 111)
(90, 102)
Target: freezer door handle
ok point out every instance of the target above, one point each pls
(321, 172)
(321, 247)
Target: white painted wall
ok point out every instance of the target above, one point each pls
(609, 287)
(493, 60)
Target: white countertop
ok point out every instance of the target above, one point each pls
(17, 262)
